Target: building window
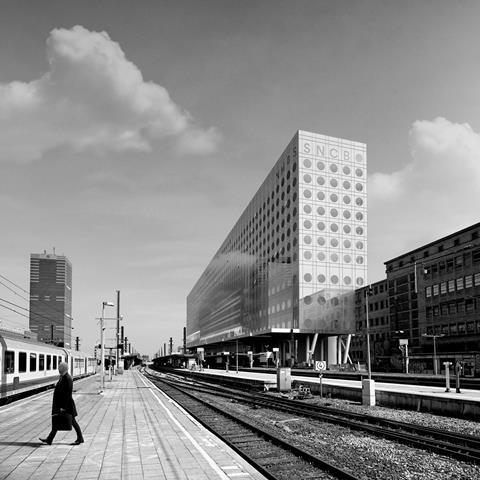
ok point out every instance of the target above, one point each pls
(468, 281)
(435, 290)
(443, 288)
(460, 283)
(451, 286)
(453, 328)
(476, 279)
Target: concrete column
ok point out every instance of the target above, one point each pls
(368, 392)
(307, 349)
(339, 349)
(332, 350)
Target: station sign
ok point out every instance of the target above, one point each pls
(320, 365)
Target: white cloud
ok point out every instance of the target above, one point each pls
(433, 195)
(92, 97)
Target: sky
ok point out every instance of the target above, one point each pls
(134, 134)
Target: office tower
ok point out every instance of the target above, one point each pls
(51, 298)
(291, 263)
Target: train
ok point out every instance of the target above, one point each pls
(27, 365)
(215, 361)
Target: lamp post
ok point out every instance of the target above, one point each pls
(102, 348)
(434, 336)
(368, 292)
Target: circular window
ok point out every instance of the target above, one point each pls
(334, 257)
(347, 228)
(334, 197)
(294, 227)
(347, 259)
(359, 260)
(334, 279)
(320, 165)
(320, 180)
(359, 245)
(333, 168)
(307, 239)
(307, 224)
(358, 172)
(307, 208)
(347, 214)
(334, 227)
(334, 242)
(359, 187)
(347, 280)
(346, 170)
(359, 281)
(321, 211)
(347, 243)
(334, 212)
(322, 300)
(307, 300)
(307, 277)
(321, 196)
(321, 226)
(359, 216)
(359, 157)
(359, 230)
(321, 256)
(307, 163)
(307, 193)
(359, 201)
(321, 241)
(321, 278)
(346, 199)
(307, 178)
(347, 185)
(307, 254)
(334, 182)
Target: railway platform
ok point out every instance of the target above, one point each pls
(432, 399)
(131, 431)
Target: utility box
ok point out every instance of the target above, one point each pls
(284, 379)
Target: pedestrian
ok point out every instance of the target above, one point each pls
(63, 403)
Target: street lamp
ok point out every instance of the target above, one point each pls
(102, 351)
(368, 292)
(434, 336)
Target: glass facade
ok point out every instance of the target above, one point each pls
(297, 253)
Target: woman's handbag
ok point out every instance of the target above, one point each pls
(61, 421)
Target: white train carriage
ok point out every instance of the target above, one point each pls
(26, 364)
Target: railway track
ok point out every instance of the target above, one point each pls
(462, 447)
(262, 448)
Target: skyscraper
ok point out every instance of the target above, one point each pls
(292, 261)
(51, 298)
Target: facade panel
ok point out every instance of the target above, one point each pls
(294, 258)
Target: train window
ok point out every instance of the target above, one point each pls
(54, 362)
(9, 364)
(33, 362)
(41, 362)
(49, 362)
(22, 361)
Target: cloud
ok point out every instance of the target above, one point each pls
(433, 195)
(92, 97)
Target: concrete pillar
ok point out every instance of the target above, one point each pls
(368, 392)
(307, 349)
(332, 350)
(339, 349)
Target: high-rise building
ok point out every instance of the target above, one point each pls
(51, 298)
(287, 272)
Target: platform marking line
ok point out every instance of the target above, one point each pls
(197, 446)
